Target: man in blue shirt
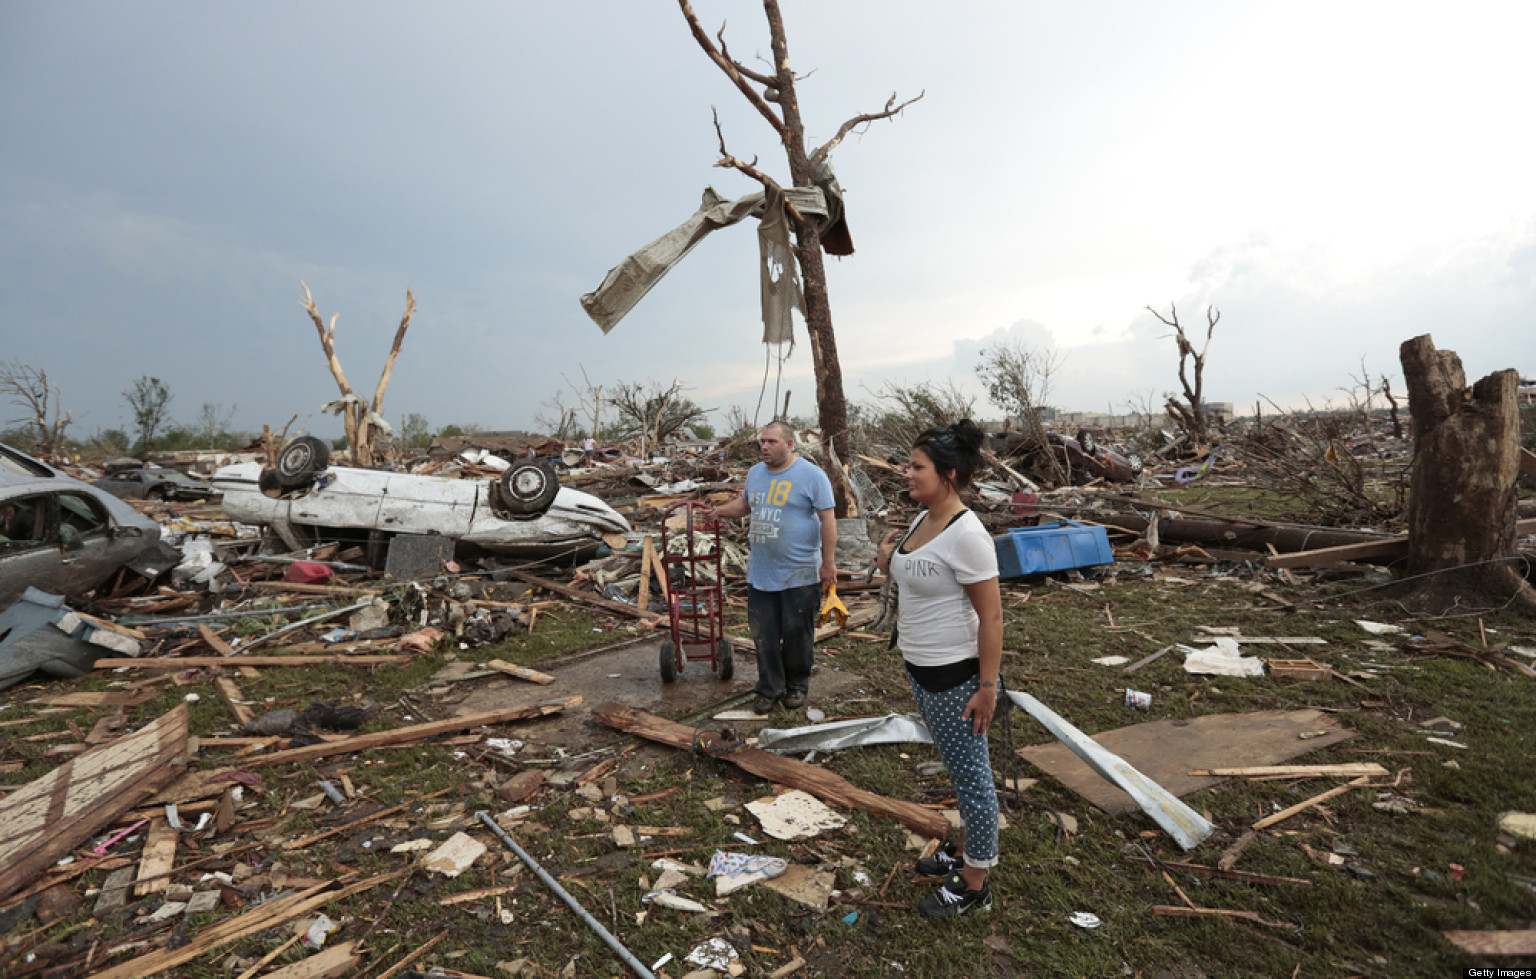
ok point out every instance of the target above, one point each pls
(794, 544)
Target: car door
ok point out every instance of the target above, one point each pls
(427, 505)
(29, 544)
(124, 485)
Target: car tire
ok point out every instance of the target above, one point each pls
(668, 661)
(158, 494)
(1086, 440)
(301, 461)
(725, 654)
(267, 482)
(529, 486)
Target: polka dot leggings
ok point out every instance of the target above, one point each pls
(969, 764)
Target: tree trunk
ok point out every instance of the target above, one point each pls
(1461, 503)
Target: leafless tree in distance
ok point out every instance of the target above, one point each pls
(1190, 413)
(28, 388)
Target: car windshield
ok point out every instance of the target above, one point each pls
(172, 476)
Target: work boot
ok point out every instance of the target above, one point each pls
(954, 899)
(794, 699)
(944, 861)
(763, 705)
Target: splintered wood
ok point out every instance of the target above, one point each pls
(765, 764)
(44, 819)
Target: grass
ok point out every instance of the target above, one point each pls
(1384, 923)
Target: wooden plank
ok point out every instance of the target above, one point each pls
(521, 672)
(1337, 790)
(1395, 548)
(1527, 466)
(159, 858)
(1149, 659)
(1218, 871)
(586, 597)
(1347, 770)
(100, 698)
(1344, 552)
(363, 742)
(657, 568)
(1494, 943)
(338, 960)
(765, 764)
(233, 700)
(1233, 853)
(464, 897)
(303, 589)
(233, 929)
(212, 639)
(45, 819)
(173, 662)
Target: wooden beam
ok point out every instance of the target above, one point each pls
(233, 929)
(1527, 465)
(378, 739)
(1395, 548)
(1218, 871)
(765, 764)
(173, 662)
(1494, 943)
(521, 672)
(158, 859)
(233, 700)
(212, 639)
(1347, 769)
(586, 597)
(1285, 814)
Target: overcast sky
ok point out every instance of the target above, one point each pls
(1335, 177)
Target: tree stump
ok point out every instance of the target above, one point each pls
(1461, 503)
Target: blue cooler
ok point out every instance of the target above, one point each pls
(1051, 547)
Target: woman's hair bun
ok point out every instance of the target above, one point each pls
(968, 436)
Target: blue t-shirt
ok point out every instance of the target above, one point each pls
(786, 525)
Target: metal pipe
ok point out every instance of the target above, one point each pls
(254, 613)
(304, 622)
(268, 559)
(593, 923)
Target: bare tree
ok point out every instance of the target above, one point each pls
(150, 400)
(904, 411)
(773, 95)
(28, 388)
(362, 419)
(1190, 414)
(1144, 406)
(654, 412)
(1018, 380)
(213, 421)
(557, 419)
(590, 397)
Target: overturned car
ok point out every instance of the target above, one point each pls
(524, 513)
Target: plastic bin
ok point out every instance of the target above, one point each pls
(1051, 547)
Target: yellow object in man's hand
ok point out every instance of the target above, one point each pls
(832, 607)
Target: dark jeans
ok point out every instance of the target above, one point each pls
(784, 631)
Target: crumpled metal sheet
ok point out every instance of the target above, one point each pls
(836, 735)
(1187, 827)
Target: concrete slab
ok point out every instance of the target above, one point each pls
(631, 675)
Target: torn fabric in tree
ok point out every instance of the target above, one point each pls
(628, 282)
(780, 274)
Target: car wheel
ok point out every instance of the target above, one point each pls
(529, 486)
(726, 654)
(1086, 440)
(267, 482)
(300, 461)
(668, 661)
(159, 494)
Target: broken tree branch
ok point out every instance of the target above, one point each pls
(732, 71)
(891, 109)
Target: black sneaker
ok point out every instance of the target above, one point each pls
(763, 705)
(944, 861)
(953, 899)
(794, 699)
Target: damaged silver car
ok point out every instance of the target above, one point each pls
(62, 536)
(524, 513)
